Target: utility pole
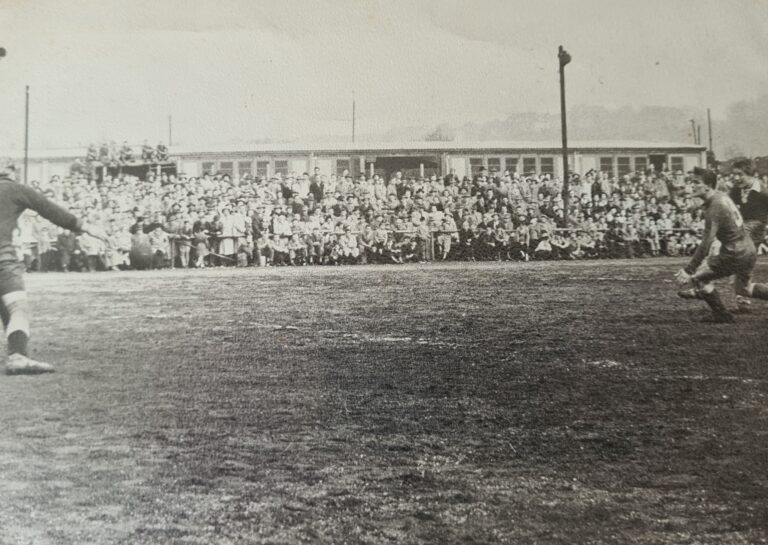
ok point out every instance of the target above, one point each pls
(26, 137)
(170, 131)
(353, 117)
(709, 127)
(564, 58)
(693, 130)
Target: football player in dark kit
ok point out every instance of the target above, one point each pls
(723, 222)
(14, 309)
(752, 201)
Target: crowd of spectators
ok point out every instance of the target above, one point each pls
(329, 219)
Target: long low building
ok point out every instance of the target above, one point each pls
(412, 158)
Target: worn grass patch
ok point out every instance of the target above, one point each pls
(492, 403)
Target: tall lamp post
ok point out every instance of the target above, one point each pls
(564, 59)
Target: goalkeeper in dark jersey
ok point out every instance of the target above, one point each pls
(14, 309)
(723, 222)
(752, 201)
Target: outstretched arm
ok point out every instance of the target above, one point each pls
(29, 198)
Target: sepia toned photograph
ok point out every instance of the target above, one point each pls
(384, 272)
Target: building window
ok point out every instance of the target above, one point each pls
(547, 165)
(225, 167)
(623, 165)
(529, 165)
(262, 169)
(676, 163)
(475, 164)
(606, 164)
(341, 166)
(641, 164)
(209, 167)
(510, 163)
(244, 168)
(494, 165)
(281, 167)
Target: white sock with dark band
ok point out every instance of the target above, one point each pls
(17, 328)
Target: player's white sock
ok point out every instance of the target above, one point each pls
(17, 330)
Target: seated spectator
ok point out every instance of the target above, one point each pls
(147, 153)
(408, 250)
(126, 153)
(161, 153)
(242, 256)
(560, 247)
(297, 250)
(349, 247)
(332, 250)
(281, 253)
(160, 245)
(543, 251)
(263, 252)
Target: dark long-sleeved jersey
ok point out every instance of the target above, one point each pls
(723, 220)
(14, 199)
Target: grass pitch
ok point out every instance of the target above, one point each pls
(538, 403)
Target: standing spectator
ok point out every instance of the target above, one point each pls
(183, 240)
(66, 244)
(467, 241)
(91, 249)
(445, 239)
(423, 239)
(200, 237)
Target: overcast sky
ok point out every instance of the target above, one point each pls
(229, 69)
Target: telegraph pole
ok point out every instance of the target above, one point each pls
(564, 58)
(353, 117)
(170, 131)
(26, 137)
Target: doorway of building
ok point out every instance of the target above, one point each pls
(409, 166)
(658, 162)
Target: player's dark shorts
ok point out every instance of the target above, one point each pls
(724, 265)
(11, 276)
